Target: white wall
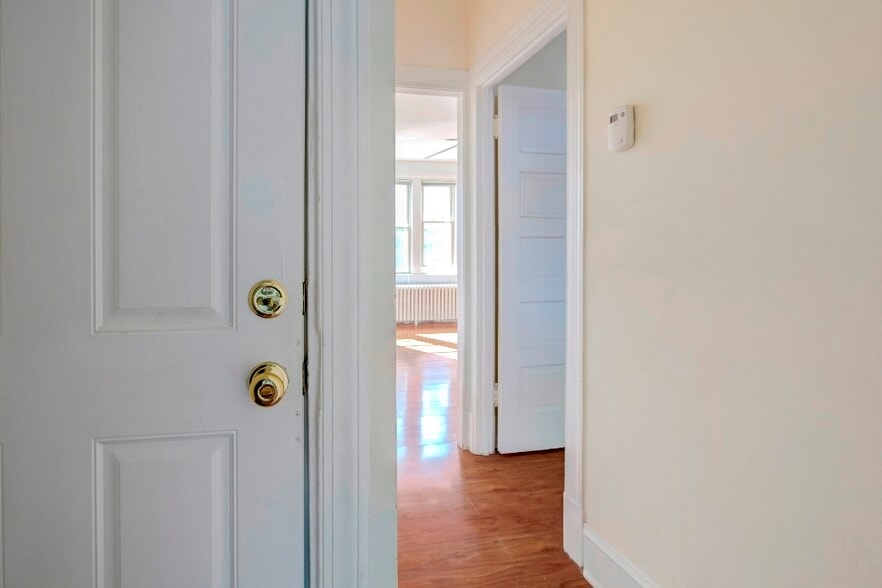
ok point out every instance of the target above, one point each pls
(547, 69)
(432, 33)
(734, 291)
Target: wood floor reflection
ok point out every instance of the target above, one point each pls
(466, 520)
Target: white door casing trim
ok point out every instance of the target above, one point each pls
(541, 24)
(450, 82)
(573, 510)
(351, 328)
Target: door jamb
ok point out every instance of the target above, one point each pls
(541, 24)
(351, 332)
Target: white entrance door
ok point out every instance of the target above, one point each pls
(532, 268)
(152, 156)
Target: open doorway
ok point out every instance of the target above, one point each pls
(427, 233)
(531, 211)
(467, 514)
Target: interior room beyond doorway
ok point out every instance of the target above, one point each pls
(463, 519)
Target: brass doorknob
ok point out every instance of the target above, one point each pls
(268, 384)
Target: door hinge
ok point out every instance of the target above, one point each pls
(495, 126)
(305, 296)
(496, 394)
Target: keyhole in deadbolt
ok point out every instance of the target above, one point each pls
(270, 299)
(268, 304)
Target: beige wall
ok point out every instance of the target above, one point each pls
(432, 33)
(452, 34)
(734, 291)
(489, 20)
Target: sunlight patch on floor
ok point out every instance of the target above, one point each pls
(425, 347)
(443, 337)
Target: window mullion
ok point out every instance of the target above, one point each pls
(453, 228)
(416, 251)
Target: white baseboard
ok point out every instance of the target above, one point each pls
(604, 567)
(572, 529)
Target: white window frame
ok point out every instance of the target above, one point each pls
(410, 226)
(415, 209)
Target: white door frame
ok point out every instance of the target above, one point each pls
(448, 82)
(352, 320)
(546, 20)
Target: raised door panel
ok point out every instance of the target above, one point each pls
(164, 157)
(542, 131)
(543, 195)
(147, 486)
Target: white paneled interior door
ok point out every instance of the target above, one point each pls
(532, 268)
(152, 156)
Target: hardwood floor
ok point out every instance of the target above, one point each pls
(467, 520)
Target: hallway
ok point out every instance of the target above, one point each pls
(467, 520)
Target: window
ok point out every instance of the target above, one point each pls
(402, 228)
(425, 229)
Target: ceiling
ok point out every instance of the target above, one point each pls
(424, 126)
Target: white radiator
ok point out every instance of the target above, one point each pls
(422, 303)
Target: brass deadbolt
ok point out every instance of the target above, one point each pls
(268, 298)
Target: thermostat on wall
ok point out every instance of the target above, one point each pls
(621, 128)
